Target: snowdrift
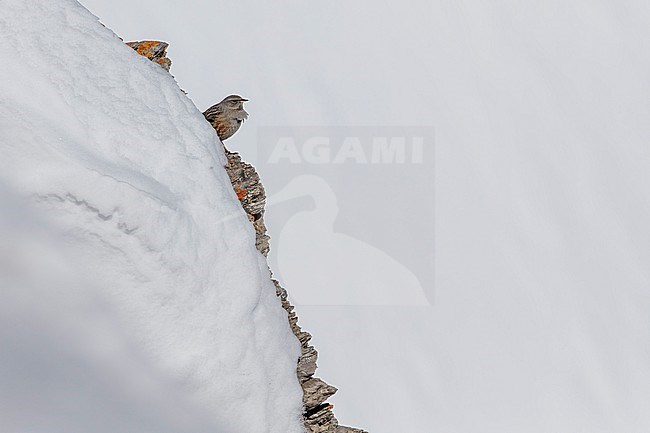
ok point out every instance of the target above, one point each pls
(132, 295)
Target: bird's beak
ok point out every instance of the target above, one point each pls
(244, 100)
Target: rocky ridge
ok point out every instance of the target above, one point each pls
(318, 414)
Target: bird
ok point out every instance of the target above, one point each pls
(227, 116)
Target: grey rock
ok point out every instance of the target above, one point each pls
(251, 194)
(343, 429)
(316, 392)
(318, 416)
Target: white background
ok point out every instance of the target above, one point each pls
(540, 317)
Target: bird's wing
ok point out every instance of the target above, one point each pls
(213, 111)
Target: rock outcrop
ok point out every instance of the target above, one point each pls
(318, 415)
(156, 51)
(251, 194)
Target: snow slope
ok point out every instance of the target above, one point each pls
(540, 311)
(133, 298)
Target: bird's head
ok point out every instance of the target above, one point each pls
(235, 104)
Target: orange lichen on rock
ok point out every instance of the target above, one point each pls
(241, 193)
(155, 51)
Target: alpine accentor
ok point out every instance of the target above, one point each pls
(227, 116)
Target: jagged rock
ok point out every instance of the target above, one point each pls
(321, 419)
(156, 51)
(318, 416)
(343, 429)
(307, 363)
(308, 354)
(316, 392)
(250, 192)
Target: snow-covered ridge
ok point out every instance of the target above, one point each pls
(132, 259)
(317, 412)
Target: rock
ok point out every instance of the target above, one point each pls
(250, 191)
(316, 392)
(343, 429)
(320, 419)
(156, 51)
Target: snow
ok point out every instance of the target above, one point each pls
(539, 312)
(133, 298)
(539, 318)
